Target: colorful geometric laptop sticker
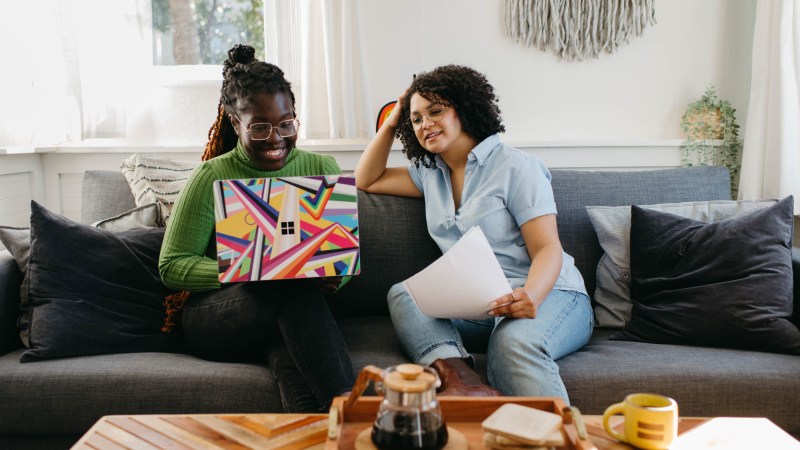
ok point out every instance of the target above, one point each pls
(289, 227)
(384, 113)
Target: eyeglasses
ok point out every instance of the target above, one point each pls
(434, 115)
(263, 131)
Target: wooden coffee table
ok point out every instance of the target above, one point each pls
(705, 433)
(207, 431)
(309, 431)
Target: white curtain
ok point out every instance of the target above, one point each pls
(771, 154)
(110, 61)
(317, 44)
(34, 82)
(76, 68)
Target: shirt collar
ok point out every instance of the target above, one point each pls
(480, 153)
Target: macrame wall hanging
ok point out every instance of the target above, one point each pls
(575, 29)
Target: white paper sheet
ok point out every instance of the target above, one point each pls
(461, 283)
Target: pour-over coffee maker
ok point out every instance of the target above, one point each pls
(409, 416)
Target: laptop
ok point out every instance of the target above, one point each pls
(286, 228)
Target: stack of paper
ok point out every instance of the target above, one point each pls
(461, 283)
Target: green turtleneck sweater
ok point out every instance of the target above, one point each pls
(188, 254)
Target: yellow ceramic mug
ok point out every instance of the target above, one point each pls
(651, 420)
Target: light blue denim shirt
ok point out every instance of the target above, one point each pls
(503, 188)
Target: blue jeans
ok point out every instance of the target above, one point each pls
(520, 353)
(251, 321)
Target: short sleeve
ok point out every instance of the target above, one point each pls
(416, 176)
(532, 195)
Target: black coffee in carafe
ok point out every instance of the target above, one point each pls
(396, 430)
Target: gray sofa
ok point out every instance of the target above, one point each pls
(49, 404)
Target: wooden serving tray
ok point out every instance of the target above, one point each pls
(464, 414)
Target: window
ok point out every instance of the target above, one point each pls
(149, 71)
(287, 227)
(200, 32)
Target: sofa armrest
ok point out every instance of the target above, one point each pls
(796, 279)
(10, 279)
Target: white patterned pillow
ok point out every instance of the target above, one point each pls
(613, 227)
(156, 179)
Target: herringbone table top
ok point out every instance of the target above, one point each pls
(207, 431)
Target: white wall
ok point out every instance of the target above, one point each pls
(621, 110)
(637, 93)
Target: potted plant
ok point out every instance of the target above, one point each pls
(712, 135)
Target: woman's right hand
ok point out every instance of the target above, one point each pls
(394, 117)
(371, 172)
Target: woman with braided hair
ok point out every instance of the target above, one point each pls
(254, 136)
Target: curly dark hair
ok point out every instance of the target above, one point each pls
(243, 76)
(465, 90)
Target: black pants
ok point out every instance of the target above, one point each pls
(248, 321)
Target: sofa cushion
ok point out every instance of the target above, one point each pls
(796, 284)
(613, 226)
(394, 246)
(147, 216)
(725, 284)
(93, 291)
(104, 194)
(575, 189)
(72, 393)
(156, 179)
(77, 391)
(10, 279)
(17, 241)
(704, 381)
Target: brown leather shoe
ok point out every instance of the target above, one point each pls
(458, 378)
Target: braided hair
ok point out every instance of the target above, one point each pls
(462, 88)
(243, 76)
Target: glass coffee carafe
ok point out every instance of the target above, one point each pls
(409, 416)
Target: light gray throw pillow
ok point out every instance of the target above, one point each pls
(18, 242)
(147, 216)
(613, 227)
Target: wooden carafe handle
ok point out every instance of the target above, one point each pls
(369, 372)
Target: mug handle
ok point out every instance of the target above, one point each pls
(617, 408)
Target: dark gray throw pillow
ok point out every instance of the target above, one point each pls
(93, 291)
(18, 242)
(725, 284)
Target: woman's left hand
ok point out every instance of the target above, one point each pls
(517, 305)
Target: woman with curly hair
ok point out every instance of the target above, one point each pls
(253, 136)
(448, 121)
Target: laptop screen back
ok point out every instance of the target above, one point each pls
(287, 227)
